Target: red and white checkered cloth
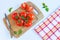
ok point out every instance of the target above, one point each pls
(50, 28)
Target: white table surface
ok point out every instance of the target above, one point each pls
(30, 34)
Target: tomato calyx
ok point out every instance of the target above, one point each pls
(27, 23)
(23, 14)
(16, 17)
(30, 16)
(23, 17)
(19, 22)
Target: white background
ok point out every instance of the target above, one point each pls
(30, 34)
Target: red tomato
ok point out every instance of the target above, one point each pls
(15, 16)
(30, 16)
(28, 23)
(26, 7)
(19, 22)
(23, 5)
(23, 15)
(29, 8)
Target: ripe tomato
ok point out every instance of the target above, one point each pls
(29, 8)
(19, 22)
(23, 5)
(26, 7)
(30, 16)
(27, 23)
(15, 16)
(23, 15)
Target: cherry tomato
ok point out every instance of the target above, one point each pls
(23, 15)
(29, 8)
(26, 7)
(23, 5)
(19, 22)
(27, 23)
(15, 16)
(30, 16)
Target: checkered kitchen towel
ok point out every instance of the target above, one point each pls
(50, 28)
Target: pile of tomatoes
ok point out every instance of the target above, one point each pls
(24, 18)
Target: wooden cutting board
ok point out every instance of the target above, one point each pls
(14, 27)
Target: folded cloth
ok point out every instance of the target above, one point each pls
(49, 29)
